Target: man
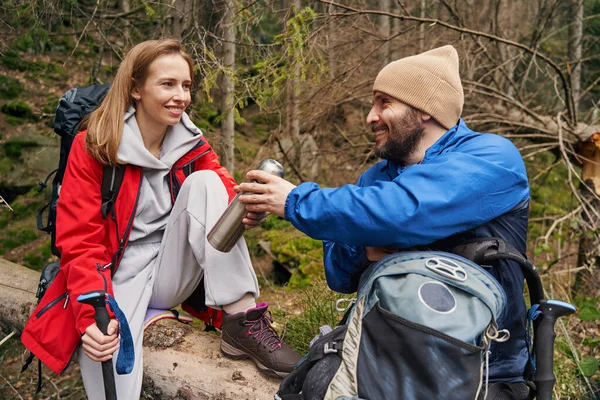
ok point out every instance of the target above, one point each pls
(437, 180)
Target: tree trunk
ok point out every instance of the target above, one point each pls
(180, 361)
(385, 31)
(228, 96)
(292, 111)
(575, 36)
(126, 7)
(422, 27)
(181, 14)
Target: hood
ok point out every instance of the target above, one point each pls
(179, 140)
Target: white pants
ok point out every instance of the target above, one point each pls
(163, 274)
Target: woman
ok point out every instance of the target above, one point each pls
(160, 219)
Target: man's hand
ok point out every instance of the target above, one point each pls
(97, 346)
(267, 196)
(377, 253)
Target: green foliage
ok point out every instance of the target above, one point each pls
(9, 87)
(589, 366)
(36, 39)
(13, 148)
(205, 115)
(317, 307)
(589, 312)
(19, 109)
(293, 59)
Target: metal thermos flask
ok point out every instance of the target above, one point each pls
(229, 228)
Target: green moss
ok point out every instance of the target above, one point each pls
(9, 87)
(6, 165)
(13, 149)
(19, 109)
(15, 238)
(274, 222)
(14, 121)
(39, 258)
(12, 60)
(298, 253)
(49, 106)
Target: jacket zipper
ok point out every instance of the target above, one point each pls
(48, 306)
(175, 184)
(100, 269)
(127, 231)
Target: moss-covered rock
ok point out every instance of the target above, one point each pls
(300, 254)
(10, 88)
(18, 109)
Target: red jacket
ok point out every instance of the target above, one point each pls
(88, 242)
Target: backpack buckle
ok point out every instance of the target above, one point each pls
(330, 349)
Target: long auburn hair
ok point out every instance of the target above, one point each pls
(105, 124)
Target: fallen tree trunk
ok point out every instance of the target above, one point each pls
(180, 361)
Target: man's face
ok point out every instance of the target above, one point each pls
(397, 127)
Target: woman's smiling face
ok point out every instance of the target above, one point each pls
(166, 92)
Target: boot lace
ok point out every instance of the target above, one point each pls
(263, 332)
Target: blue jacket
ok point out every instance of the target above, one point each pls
(468, 185)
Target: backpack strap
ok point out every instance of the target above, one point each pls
(40, 224)
(111, 183)
(487, 251)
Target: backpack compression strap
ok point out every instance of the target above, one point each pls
(486, 251)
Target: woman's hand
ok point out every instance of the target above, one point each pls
(254, 219)
(97, 346)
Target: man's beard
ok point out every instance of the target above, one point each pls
(403, 138)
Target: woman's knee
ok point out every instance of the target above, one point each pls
(203, 181)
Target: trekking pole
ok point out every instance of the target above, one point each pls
(97, 299)
(544, 345)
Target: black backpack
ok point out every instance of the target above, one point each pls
(72, 107)
(384, 349)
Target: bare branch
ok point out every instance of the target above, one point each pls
(534, 52)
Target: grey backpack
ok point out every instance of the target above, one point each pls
(420, 329)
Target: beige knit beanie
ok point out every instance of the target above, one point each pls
(428, 81)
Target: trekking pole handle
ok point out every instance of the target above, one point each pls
(97, 299)
(544, 345)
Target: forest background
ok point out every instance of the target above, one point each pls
(292, 80)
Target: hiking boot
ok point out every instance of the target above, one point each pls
(250, 335)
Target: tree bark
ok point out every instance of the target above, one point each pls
(228, 99)
(385, 31)
(575, 48)
(292, 93)
(180, 361)
(126, 7)
(181, 14)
